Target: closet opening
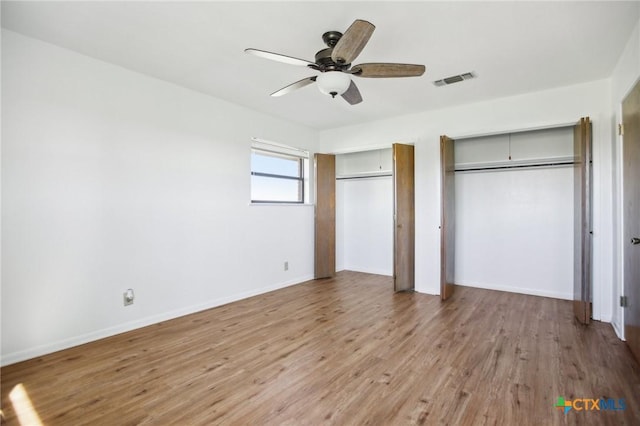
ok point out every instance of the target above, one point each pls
(375, 219)
(516, 213)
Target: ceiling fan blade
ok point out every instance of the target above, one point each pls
(352, 42)
(352, 95)
(280, 58)
(294, 86)
(382, 70)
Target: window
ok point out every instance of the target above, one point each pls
(277, 173)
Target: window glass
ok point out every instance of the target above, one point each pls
(275, 164)
(268, 189)
(277, 177)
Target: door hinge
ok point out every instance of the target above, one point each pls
(620, 129)
(624, 302)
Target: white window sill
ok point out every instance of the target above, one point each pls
(281, 204)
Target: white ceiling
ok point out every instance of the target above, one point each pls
(513, 47)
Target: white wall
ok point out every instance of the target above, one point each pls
(113, 180)
(542, 109)
(624, 77)
(514, 230)
(367, 232)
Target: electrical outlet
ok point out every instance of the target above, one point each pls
(286, 266)
(128, 297)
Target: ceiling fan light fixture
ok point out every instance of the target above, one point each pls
(334, 64)
(333, 83)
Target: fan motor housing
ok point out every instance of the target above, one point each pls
(325, 63)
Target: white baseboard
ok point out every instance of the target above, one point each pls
(521, 290)
(48, 348)
(369, 270)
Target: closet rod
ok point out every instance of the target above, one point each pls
(517, 166)
(363, 177)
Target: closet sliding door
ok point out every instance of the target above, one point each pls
(582, 221)
(325, 215)
(404, 218)
(447, 219)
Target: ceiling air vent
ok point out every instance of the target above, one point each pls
(454, 79)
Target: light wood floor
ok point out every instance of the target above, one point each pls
(341, 351)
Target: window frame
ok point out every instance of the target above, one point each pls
(271, 149)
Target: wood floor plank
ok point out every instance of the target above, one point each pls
(346, 350)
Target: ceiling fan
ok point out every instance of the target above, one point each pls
(334, 64)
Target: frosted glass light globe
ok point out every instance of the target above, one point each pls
(333, 82)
